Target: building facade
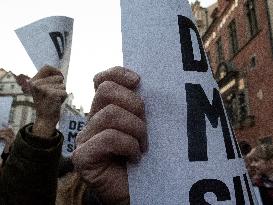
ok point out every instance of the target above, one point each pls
(22, 110)
(203, 16)
(240, 49)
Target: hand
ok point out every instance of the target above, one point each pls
(8, 135)
(48, 91)
(115, 133)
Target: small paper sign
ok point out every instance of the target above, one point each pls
(70, 126)
(48, 42)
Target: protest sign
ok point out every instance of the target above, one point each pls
(2, 146)
(5, 107)
(70, 126)
(48, 42)
(193, 156)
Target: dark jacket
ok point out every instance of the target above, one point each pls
(30, 172)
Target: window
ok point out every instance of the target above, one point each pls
(236, 106)
(242, 104)
(11, 115)
(236, 103)
(219, 48)
(12, 86)
(231, 106)
(252, 19)
(253, 62)
(233, 37)
(1, 87)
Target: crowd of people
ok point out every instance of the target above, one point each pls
(259, 163)
(33, 171)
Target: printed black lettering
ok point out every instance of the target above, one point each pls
(235, 141)
(66, 34)
(198, 106)
(71, 136)
(239, 194)
(70, 148)
(198, 190)
(248, 190)
(189, 64)
(80, 125)
(72, 125)
(58, 38)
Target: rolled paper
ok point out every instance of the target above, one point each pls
(48, 42)
(193, 157)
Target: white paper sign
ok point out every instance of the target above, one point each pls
(193, 156)
(2, 146)
(48, 42)
(70, 126)
(5, 107)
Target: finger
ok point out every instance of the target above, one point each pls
(5, 135)
(52, 92)
(6, 131)
(111, 93)
(114, 117)
(119, 75)
(47, 71)
(56, 79)
(57, 93)
(51, 86)
(105, 145)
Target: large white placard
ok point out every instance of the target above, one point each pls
(193, 156)
(48, 42)
(70, 126)
(5, 107)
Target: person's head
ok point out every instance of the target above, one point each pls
(260, 162)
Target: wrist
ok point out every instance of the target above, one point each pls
(44, 128)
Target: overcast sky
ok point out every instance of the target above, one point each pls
(96, 42)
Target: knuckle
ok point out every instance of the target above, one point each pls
(60, 77)
(106, 88)
(108, 115)
(111, 110)
(97, 76)
(107, 137)
(116, 69)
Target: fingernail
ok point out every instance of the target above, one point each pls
(132, 76)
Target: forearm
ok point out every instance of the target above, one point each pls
(30, 173)
(44, 128)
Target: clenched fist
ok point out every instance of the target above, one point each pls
(115, 133)
(48, 92)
